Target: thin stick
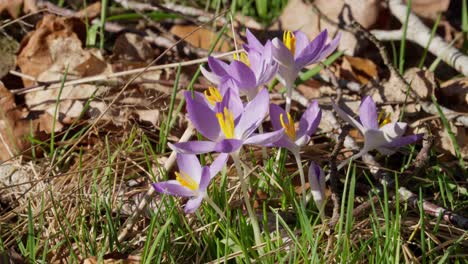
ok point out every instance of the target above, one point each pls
(107, 77)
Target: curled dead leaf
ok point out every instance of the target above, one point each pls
(422, 82)
(358, 69)
(429, 9)
(455, 94)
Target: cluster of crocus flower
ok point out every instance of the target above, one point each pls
(229, 116)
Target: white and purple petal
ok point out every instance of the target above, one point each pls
(310, 120)
(202, 117)
(253, 115)
(368, 113)
(192, 205)
(264, 139)
(312, 52)
(218, 164)
(228, 145)
(189, 164)
(301, 41)
(347, 117)
(193, 147)
(172, 187)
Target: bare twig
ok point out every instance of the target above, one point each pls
(335, 178)
(408, 196)
(98, 78)
(420, 34)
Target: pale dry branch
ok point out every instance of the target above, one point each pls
(420, 34)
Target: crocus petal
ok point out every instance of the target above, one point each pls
(331, 47)
(347, 117)
(275, 113)
(193, 147)
(368, 113)
(287, 71)
(310, 120)
(218, 66)
(198, 97)
(283, 142)
(265, 138)
(204, 179)
(394, 130)
(218, 164)
(212, 77)
(403, 141)
(202, 117)
(253, 43)
(228, 145)
(269, 65)
(190, 165)
(317, 183)
(242, 74)
(282, 54)
(253, 115)
(173, 187)
(302, 141)
(192, 205)
(374, 139)
(311, 53)
(231, 101)
(301, 41)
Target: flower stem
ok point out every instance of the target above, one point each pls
(297, 156)
(289, 90)
(244, 187)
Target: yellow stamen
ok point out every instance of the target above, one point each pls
(289, 41)
(226, 123)
(383, 118)
(186, 181)
(212, 95)
(289, 128)
(242, 57)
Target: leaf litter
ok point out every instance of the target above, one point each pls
(57, 45)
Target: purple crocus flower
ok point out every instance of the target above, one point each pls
(246, 74)
(226, 130)
(192, 180)
(253, 44)
(386, 139)
(317, 184)
(295, 52)
(294, 139)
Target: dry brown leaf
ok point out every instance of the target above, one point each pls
(15, 125)
(444, 141)
(429, 9)
(358, 69)
(299, 15)
(53, 38)
(133, 48)
(454, 93)
(422, 82)
(202, 38)
(91, 11)
(12, 7)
